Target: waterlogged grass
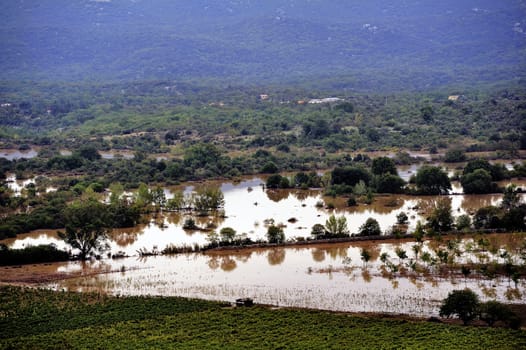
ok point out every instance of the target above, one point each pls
(39, 319)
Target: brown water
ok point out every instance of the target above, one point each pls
(331, 277)
(248, 209)
(324, 276)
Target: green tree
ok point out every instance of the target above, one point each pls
(371, 227)
(227, 235)
(487, 217)
(389, 183)
(497, 171)
(401, 254)
(441, 218)
(116, 192)
(347, 107)
(201, 155)
(88, 152)
(177, 202)
(336, 226)
(86, 227)
(208, 198)
(511, 197)
(158, 197)
(277, 181)
(454, 156)
(419, 232)
(401, 218)
(269, 168)
(427, 113)
(463, 303)
(476, 182)
(365, 255)
(463, 222)
(350, 176)
(317, 230)
(143, 197)
(431, 180)
(383, 165)
(493, 311)
(275, 234)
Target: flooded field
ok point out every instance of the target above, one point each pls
(331, 277)
(249, 208)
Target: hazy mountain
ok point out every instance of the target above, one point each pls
(407, 41)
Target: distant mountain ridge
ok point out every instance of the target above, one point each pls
(262, 41)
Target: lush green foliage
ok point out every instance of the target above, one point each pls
(66, 320)
(432, 180)
(336, 227)
(86, 225)
(463, 303)
(275, 234)
(441, 218)
(371, 227)
(365, 47)
(31, 255)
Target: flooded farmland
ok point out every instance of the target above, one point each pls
(249, 207)
(330, 276)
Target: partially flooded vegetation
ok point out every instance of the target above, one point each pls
(403, 274)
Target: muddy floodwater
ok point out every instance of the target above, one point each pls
(249, 208)
(330, 276)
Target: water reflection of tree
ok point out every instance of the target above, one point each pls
(374, 251)
(212, 221)
(174, 218)
(318, 254)
(471, 203)
(426, 205)
(213, 263)
(127, 236)
(276, 256)
(366, 275)
(277, 195)
(337, 252)
(386, 204)
(302, 195)
(513, 294)
(124, 239)
(228, 264)
(243, 256)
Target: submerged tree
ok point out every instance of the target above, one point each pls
(86, 226)
(336, 226)
(511, 198)
(431, 180)
(275, 234)
(371, 227)
(365, 255)
(441, 219)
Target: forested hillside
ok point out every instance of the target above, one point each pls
(380, 44)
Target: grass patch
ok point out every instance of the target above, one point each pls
(42, 319)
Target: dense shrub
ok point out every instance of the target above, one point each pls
(31, 255)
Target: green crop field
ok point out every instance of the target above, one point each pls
(41, 319)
